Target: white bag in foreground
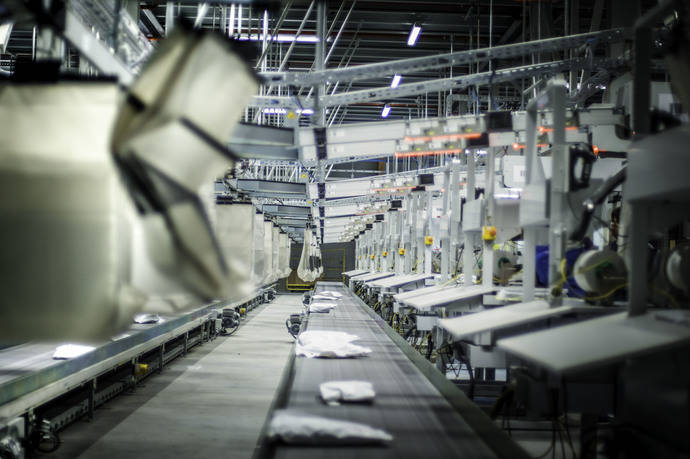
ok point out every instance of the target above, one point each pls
(321, 297)
(328, 344)
(334, 392)
(321, 306)
(303, 429)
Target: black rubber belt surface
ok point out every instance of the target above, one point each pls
(421, 420)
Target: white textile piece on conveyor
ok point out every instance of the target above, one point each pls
(319, 296)
(328, 344)
(331, 293)
(321, 306)
(303, 429)
(335, 392)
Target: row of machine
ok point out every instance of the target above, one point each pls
(543, 264)
(551, 275)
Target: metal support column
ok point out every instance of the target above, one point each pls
(428, 248)
(637, 277)
(559, 188)
(319, 116)
(468, 253)
(445, 228)
(488, 252)
(454, 217)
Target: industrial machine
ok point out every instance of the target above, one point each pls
(513, 270)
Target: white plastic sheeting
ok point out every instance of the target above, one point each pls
(321, 306)
(310, 267)
(320, 297)
(303, 429)
(258, 258)
(232, 225)
(269, 276)
(328, 344)
(63, 213)
(165, 141)
(336, 392)
(276, 253)
(284, 265)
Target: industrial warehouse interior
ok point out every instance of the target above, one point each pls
(345, 229)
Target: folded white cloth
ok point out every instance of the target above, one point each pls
(319, 296)
(321, 306)
(334, 392)
(303, 429)
(328, 344)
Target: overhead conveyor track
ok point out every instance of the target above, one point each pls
(426, 414)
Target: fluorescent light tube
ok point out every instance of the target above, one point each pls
(282, 38)
(396, 81)
(414, 34)
(231, 28)
(274, 111)
(386, 111)
(239, 20)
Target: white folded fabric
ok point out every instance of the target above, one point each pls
(321, 306)
(319, 296)
(303, 429)
(328, 344)
(335, 392)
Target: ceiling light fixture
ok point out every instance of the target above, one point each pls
(282, 38)
(396, 81)
(386, 111)
(414, 34)
(231, 28)
(239, 21)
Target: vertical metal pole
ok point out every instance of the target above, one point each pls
(488, 252)
(641, 80)
(445, 229)
(395, 241)
(468, 253)
(410, 252)
(427, 225)
(455, 202)
(319, 61)
(559, 188)
(637, 276)
(169, 17)
(529, 264)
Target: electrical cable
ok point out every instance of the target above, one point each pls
(607, 294)
(429, 346)
(594, 200)
(565, 418)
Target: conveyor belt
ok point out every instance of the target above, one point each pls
(424, 422)
(29, 376)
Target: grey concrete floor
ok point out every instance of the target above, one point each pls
(211, 402)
